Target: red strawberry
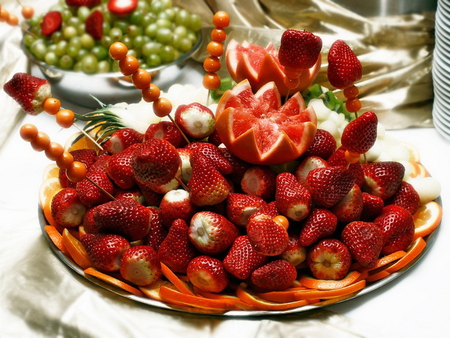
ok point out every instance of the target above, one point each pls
(406, 197)
(268, 210)
(383, 179)
(329, 185)
(208, 274)
(134, 193)
(329, 259)
(259, 181)
(372, 207)
(195, 120)
(277, 275)
(211, 233)
(105, 251)
(242, 259)
(397, 225)
(174, 205)
(67, 209)
(122, 7)
(323, 146)
(94, 25)
(151, 197)
(176, 251)
(122, 139)
(241, 206)
(293, 199)
(140, 265)
(91, 194)
(364, 240)
(155, 162)
(350, 208)
(207, 186)
(100, 161)
(239, 166)
(213, 154)
(28, 91)
(51, 22)
(86, 156)
(344, 68)
(308, 164)
(186, 168)
(267, 237)
(214, 138)
(320, 223)
(299, 49)
(79, 3)
(338, 159)
(157, 231)
(361, 133)
(89, 223)
(294, 253)
(119, 167)
(167, 131)
(173, 184)
(124, 217)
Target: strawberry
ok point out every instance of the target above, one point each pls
(79, 3)
(67, 209)
(155, 162)
(173, 184)
(242, 259)
(29, 92)
(319, 224)
(122, 139)
(308, 164)
(122, 7)
(100, 161)
(239, 167)
(166, 130)
(277, 275)
(364, 240)
(119, 169)
(88, 222)
(51, 22)
(406, 197)
(174, 205)
(105, 251)
(361, 133)
(329, 259)
(323, 145)
(91, 194)
(186, 168)
(293, 200)
(294, 253)
(86, 156)
(213, 154)
(299, 49)
(267, 237)
(241, 206)
(211, 233)
(157, 231)
(94, 25)
(195, 120)
(151, 197)
(207, 186)
(124, 217)
(176, 251)
(214, 138)
(208, 274)
(259, 181)
(344, 68)
(397, 225)
(372, 207)
(268, 210)
(140, 265)
(133, 193)
(350, 208)
(338, 159)
(329, 185)
(382, 179)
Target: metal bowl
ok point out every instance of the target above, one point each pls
(109, 88)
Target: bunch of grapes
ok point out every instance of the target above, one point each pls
(156, 33)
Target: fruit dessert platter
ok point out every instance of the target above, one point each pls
(261, 193)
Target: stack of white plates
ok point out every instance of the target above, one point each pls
(441, 69)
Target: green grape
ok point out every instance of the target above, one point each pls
(151, 30)
(148, 19)
(51, 48)
(72, 51)
(28, 40)
(140, 41)
(81, 54)
(133, 52)
(75, 42)
(166, 3)
(106, 41)
(73, 22)
(163, 23)
(77, 67)
(81, 28)
(143, 7)
(180, 31)
(168, 13)
(61, 48)
(184, 45)
(153, 60)
(89, 64)
(106, 27)
(69, 32)
(136, 17)
(116, 34)
(195, 22)
(182, 18)
(164, 35)
(191, 36)
(100, 52)
(38, 49)
(83, 12)
(134, 31)
(122, 25)
(164, 16)
(151, 47)
(57, 37)
(66, 62)
(167, 54)
(127, 41)
(87, 41)
(104, 66)
(115, 66)
(51, 59)
(35, 21)
(66, 14)
(157, 7)
(143, 65)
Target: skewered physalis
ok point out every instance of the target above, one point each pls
(76, 171)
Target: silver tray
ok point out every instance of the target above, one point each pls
(154, 303)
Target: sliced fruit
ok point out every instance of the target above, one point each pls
(328, 294)
(175, 280)
(50, 171)
(223, 296)
(286, 296)
(113, 281)
(388, 259)
(76, 250)
(413, 252)
(258, 129)
(377, 276)
(323, 284)
(427, 218)
(48, 189)
(152, 290)
(82, 142)
(414, 155)
(55, 237)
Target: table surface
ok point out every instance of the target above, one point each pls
(40, 296)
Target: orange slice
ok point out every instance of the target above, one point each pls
(327, 294)
(414, 250)
(76, 250)
(152, 290)
(285, 296)
(385, 260)
(48, 189)
(427, 218)
(113, 281)
(321, 284)
(83, 143)
(172, 277)
(56, 238)
(50, 171)
(378, 275)
(237, 302)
